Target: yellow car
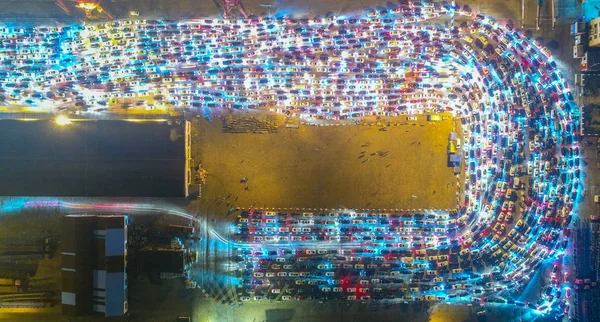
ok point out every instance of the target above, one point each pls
(483, 40)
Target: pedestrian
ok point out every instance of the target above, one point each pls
(231, 4)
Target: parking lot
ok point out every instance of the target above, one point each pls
(521, 180)
(520, 148)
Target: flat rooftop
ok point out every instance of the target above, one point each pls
(353, 166)
(91, 158)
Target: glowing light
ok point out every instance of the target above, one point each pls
(62, 120)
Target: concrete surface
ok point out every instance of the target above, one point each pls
(322, 167)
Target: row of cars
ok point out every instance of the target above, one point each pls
(521, 153)
(400, 229)
(212, 63)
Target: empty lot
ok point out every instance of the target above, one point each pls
(354, 166)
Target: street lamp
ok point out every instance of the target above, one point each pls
(62, 120)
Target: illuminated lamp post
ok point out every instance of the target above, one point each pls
(88, 5)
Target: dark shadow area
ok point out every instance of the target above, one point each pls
(553, 45)
(279, 315)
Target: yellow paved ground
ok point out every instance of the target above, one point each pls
(319, 167)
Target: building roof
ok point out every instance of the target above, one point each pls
(162, 261)
(95, 159)
(87, 265)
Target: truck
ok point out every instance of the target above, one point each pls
(10, 281)
(590, 62)
(451, 147)
(8, 289)
(43, 247)
(578, 28)
(10, 285)
(434, 117)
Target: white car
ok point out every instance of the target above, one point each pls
(411, 118)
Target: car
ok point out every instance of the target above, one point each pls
(519, 224)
